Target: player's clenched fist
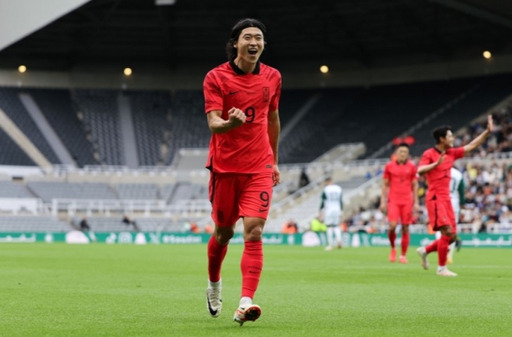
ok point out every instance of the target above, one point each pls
(236, 117)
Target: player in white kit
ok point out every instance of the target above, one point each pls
(332, 208)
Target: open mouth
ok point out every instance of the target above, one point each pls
(253, 51)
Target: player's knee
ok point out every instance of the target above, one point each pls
(253, 233)
(223, 236)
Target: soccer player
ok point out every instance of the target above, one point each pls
(332, 207)
(399, 198)
(457, 198)
(241, 105)
(436, 164)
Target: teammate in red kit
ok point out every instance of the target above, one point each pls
(399, 198)
(241, 104)
(436, 164)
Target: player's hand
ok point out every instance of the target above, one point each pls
(490, 123)
(383, 208)
(236, 117)
(441, 158)
(276, 175)
(416, 208)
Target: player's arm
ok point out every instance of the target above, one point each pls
(322, 201)
(217, 124)
(422, 169)
(481, 138)
(384, 195)
(462, 192)
(274, 131)
(416, 203)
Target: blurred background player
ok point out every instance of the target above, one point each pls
(241, 105)
(436, 163)
(457, 197)
(399, 198)
(331, 206)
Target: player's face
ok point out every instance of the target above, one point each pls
(448, 140)
(402, 153)
(250, 45)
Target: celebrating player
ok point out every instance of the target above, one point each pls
(241, 104)
(399, 197)
(436, 164)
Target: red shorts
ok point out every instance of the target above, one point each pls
(440, 213)
(402, 212)
(239, 195)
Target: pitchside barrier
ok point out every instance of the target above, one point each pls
(308, 239)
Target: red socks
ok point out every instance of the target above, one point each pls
(441, 246)
(442, 249)
(392, 238)
(405, 242)
(216, 254)
(432, 247)
(251, 265)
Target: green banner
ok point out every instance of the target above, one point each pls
(310, 239)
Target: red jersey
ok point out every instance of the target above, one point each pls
(401, 177)
(245, 149)
(438, 179)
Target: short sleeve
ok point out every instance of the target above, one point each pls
(212, 93)
(274, 103)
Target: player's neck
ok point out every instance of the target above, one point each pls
(246, 67)
(441, 147)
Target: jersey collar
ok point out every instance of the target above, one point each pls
(240, 71)
(438, 151)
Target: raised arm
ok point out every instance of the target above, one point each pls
(481, 138)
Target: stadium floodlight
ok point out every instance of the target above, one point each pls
(165, 2)
(487, 54)
(22, 68)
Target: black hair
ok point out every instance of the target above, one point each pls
(402, 144)
(235, 34)
(441, 131)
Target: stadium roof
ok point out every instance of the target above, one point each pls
(361, 34)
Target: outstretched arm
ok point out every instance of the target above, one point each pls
(481, 138)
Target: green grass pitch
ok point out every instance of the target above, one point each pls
(159, 290)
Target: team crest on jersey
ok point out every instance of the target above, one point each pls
(266, 94)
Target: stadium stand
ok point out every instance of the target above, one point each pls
(483, 96)
(63, 190)
(137, 191)
(188, 122)
(100, 116)
(150, 111)
(11, 153)
(165, 123)
(39, 223)
(9, 189)
(58, 109)
(10, 103)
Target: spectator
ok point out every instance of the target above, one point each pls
(130, 222)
